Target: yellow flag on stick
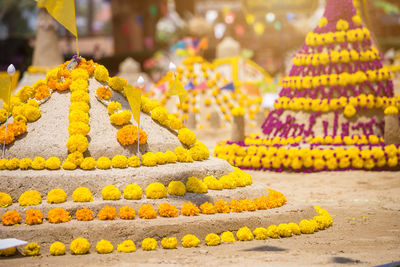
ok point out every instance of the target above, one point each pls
(178, 89)
(7, 85)
(134, 98)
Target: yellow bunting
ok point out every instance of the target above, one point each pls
(178, 89)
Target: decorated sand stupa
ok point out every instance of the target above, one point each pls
(336, 110)
(72, 175)
(210, 93)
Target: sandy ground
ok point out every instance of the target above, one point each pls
(366, 229)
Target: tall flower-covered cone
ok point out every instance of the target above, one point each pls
(330, 111)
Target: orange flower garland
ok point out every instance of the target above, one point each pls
(128, 135)
(10, 218)
(103, 93)
(167, 210)
(127, 213)
(84, 214)
(107, 213)
(33, 216)
(58, 215)
(13, 130)
(146, 211)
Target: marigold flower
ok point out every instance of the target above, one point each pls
(8, 251)
(294, 228)
(3, 163)
(78, 115)
(119, 161)
(207, 208)
(117, 83)
(127, 213)
(156, 191)
(212, 240)
(113, 107)
(79, 246)
(79, 73)
(88, 163)
(133, 161)
(58, 215)
(272, 231)
(104, 92)
(101, 73)
(149, 244)
(68, 165)
(57, 249)
(186, 136)
(169, 243)
(79, 85)
(146, 211)
(174, 122)
(104, 247)
(25, 163)
(84, 214)
(149, 159)
(183, 154)
(42, 92)
(121, 117)
(167, 210)
(133, 191)
(107, 213)
(53, 163)
(189, 241)
(189, 209)
(30, 198)
(127, 246)
(12, 164)
(32, 249)
(176, 188)
(33, 216)
(221, 206)
(103, 163)
(160, 114)
(11, 217)
(38, 163)
(77, 142)
(110, 192)
(78, 127)
(228, 182)
(244, 234)
(248, 205)
(82, 194)
(227, 237)
(80, 96)
(195, 185)
(235, 206)
(5, 200)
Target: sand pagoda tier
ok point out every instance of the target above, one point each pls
(331, 111)
(72, 171)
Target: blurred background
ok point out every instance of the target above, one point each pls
(268, 32)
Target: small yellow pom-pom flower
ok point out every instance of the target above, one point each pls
(176, 188)
(32, 249)
(57, 249)
(212, 183)
(156, 191)
(349, 111)
(82, 194)
(127, 246)
(227, 237)
(25, 163)
(244, 234)
(38, 163)
(147, 211)
(284, 230)
(189, 241)
(133, 191)
(119, 161)
(189, 209)
(306, 227)
(212, 240)
(58, 215)
(342, 25)
(127, 213)
(294, 227)
(88, 163)
(80, 246)
(30, 198)
(195, 185)
(11, 217)
(186, 136)
(133, 161)
(110, 192)
(84, 214)
(117, 83)
(149, 159)
(167, 210)
(56, 196)
(107, 213)
(272, 231)
(5, 200)
(101, 73)
(77, 142)
(113, 107)
(68, 165)
(222, 206)
(169, 243)
(103, 163)
(104, 247)
(149, 244)
(391, 110)
(33, 216)
(260, 233)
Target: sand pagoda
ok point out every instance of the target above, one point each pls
(210, 93)
(336, 110)
(72, 165)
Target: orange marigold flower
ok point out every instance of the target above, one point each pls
(8, 138)
(107, 213)
(104, 92)
(58, 215)
(167, 210)
(207, 208)
(221, 206)
(248, 205)
(235, 206)
(43, 91)
(66, 73)
(189, 209)
(33, 216)
(128, 135)
(63, 85)
(146, 211)
(127, 213)
(84, 214)
(11, 217)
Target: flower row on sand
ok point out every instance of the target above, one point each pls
(309, 159)
(81, 245)
(146, 211)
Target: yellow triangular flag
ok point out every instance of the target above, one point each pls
(178, 89)
(5, 88)
(63, 11)
(134, 98)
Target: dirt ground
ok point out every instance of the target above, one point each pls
(366, 231)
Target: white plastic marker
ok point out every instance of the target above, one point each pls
(11, 242)
(140, 83)
(11, 72)
(172, 67)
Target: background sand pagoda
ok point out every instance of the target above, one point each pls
(334, 98)
(209, 92)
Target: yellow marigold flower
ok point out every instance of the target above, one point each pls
(127, 213)
(238, 111)
(248, 205)
(294, 228)
(75, 157)
(199, 151)
(32, 249)
(149, 159)
(244, 234)
(119, 161)
(133, 191)
(161, 158)
(84, 214)
(80, 96)
(227, 237)
(68, 165)
(228, 182)
(174, 122)
(284, 230)
(306, 227)
(176, 188)
(127, 246)
(186, 136)
(120, 118)
(5, 200)
(156, 191)
(107, 213)
(183, 154)
(207, 208)
(148, 105)
(189, 209)
(160, 114)
(167, 210)
(103, 163)
(32, 113)
(222, 206)
(357, 20)
(11, 217)
(146, 211)
(58, 215)
(56, 195)
(79, 73)
(117, 83)
(57, 249)
(53, 163)
(104, 92)
(322, 22)
(272, 231)
(212, 240)
(149, 244)
(212, 183)
(101, 73)
(79, 85)
(342, 25)
(25, 163)
(104, 247)
(78, 127)
(195, 185)
(82, 194)
(88, 163)
(260, 233)
(110, 192)
(78, 115)
(8, 251)
(30, 198)
(169, 243)
(77, 142)
(79, 246)
(391, 110)
(12, 164)
(3, 163)
(133, 161)
(235, 206)
(189, 241)
(113, 107)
